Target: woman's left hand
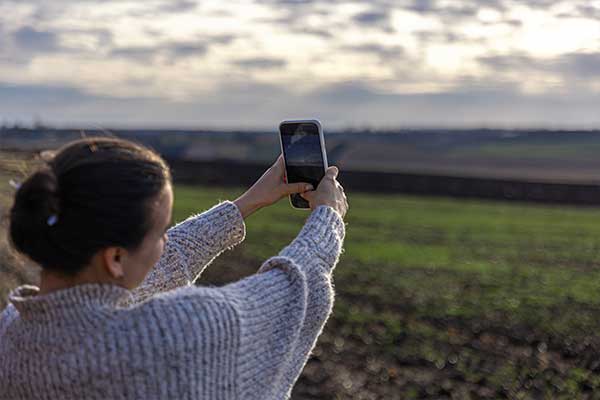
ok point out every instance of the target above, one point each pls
(269, 189)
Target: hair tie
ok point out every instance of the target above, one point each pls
(14, 184)
(52, 219)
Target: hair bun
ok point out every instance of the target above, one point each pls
(90, 195)
(35, 201)
(40, 192)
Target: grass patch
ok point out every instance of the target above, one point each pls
(422, 279)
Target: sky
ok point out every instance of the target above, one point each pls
(251, 64)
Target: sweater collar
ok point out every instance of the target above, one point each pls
(60, 303)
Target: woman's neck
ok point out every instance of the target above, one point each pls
(52, 281)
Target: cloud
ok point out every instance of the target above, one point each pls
(322, 33)
(252, 105)
(163, 8)
(438, 43)
(297, 3)
(220, 39)
(573, 67)
(544, 4)
(34, 98)
(31, 39)
(103, 37)
(184, 50)
(507, 62)
(344, 93)
(261, 63)
(354, 103)
(172, 50)
(302, 18)
(422, 6)
(427, 37)
(52, 11)
(141, 54)
(241, 105)
(582, 65)
(385, 53)
(375, 18)
(456, 11)
(585, 11)
(179, 6)
(28, 43)
(371, 17)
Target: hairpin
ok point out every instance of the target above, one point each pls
(52, 220)
(14, 184)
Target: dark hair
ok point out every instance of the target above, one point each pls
(94, 193)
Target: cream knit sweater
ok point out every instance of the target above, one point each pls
(169, 339)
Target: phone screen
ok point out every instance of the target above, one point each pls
(303, 156)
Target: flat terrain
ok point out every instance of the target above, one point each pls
(530, 155)
(442, 298)
(439, 298)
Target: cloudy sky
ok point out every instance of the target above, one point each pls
(250, 64)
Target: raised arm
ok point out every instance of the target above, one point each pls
(191, 246)
(282, 309)
(195, 242)
(269, 322)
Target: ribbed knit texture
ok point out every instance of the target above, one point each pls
(168, 339)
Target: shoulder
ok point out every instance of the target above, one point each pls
(191, 296)
(189, 307)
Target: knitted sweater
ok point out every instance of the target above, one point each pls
(169, 339)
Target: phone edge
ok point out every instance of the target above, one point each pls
(323, 150)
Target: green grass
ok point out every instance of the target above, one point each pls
(528, 253)
(553, 251)
(411, 261)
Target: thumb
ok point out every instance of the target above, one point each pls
(308, 196)
(332, 171)
(292, 188)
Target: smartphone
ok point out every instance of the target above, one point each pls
(303, 149)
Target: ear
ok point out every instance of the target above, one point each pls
(113, 261)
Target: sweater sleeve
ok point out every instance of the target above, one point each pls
(283, 308)
(6, 318)
(191, 246)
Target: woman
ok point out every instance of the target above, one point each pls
(116, 315)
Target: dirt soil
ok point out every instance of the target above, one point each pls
(479, 359)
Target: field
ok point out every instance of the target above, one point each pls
(443, 298)
(438, 298)
(534, 155)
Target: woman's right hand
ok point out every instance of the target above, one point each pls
(328, 193)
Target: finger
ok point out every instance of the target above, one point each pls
(301, 187)
(332, 172)
(279, 163)
(308, 196)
